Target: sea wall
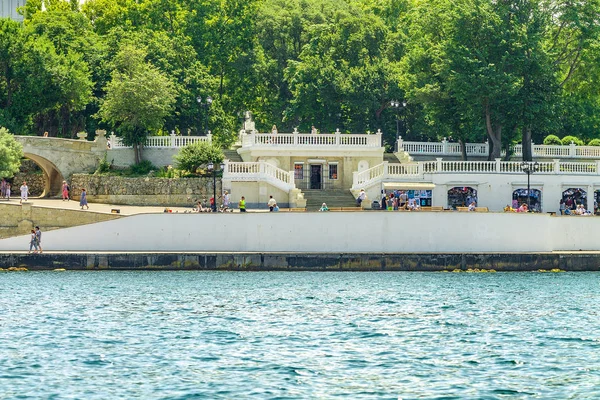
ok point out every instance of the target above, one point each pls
(484, 262)
(143, 190)
(334, 232)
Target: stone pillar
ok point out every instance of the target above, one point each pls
(82, 135)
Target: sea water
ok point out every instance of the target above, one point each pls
(298, 335)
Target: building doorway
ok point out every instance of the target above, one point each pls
(316, 176)
(461, 196)
(520, 197)
(574, 196)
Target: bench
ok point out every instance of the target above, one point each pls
(294, 209)
(432, 208)
(481, 209)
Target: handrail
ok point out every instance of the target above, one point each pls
(259, 171)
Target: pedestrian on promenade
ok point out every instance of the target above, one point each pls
(361, 197)
(561, 207)
(38, 237)
(65, 191)
(225, 201)
(83, 201)
(271, 204)
(24, 192)
(242, 204)
(33, 245)
(324, 207)
(383, 200)
(7, 191)
(3, 188)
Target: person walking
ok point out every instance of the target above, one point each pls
(225, 201)
(24, 192)
(7, 191)
(83, 201)
(33, 245)
(38, 237)
(3, 188)
(272, 203)
(65, 191)
(242, 204)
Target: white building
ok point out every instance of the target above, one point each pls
(8, 8)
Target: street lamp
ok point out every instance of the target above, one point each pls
(529, 168)
(211, 167)
(399, 107)
(205, 104)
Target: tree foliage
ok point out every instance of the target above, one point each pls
(195, 155)
(471, 70)
(11, 153)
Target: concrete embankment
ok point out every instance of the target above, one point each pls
(578, 261)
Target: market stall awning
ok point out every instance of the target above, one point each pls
(408, 186)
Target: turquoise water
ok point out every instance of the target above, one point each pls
(186, 335)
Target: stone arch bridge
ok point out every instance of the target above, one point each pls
(60, 158)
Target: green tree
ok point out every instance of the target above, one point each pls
(11, 153)
(138, 98)
(195, 155)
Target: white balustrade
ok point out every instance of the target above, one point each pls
(446, 148)
(260, 171)
(171, 141)
(297, 139)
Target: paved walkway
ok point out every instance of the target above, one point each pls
(103, 208)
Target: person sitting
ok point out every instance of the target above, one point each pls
(324, 207)
(198, 207)
(523, 208)
(471, 206)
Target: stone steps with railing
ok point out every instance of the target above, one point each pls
(333, 198)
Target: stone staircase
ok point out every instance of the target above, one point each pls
(333, 198)
(232, 155)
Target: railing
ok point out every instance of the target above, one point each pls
(418, 171)
(260, 171)
(297, 139)
(171, 141)
(445, 148)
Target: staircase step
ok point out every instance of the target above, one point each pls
(333, 198)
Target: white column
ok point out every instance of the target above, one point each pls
(590, 198)
(295, 133)
(337, 137)
(572, 150)
(444, 147)
(172, 139)
(438, 164)
(498, 161)
(556, 166)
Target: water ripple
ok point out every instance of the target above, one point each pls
(273, 335)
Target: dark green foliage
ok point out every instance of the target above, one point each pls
(142, 168)
(198, 154)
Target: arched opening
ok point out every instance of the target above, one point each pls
(520, 197)
(52, 176)
(461, 196)
(573, 197)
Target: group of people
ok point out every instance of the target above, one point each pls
(567, 207)
(398, 200)
(5, 189)
(35, 242)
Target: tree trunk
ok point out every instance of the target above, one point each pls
(526, 143)
(136, 152)
(463, 149)
(494, 135)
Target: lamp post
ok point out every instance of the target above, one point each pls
(204, 104)
(399, 107)
(211, 167)
(529, 168)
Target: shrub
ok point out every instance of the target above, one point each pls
(594, 142)
(194, 155)
(552, 140)
(143, 168)
(103, 166)
(568, 139)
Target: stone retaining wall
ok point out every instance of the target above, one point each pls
(483, 262)
(144, 190)
(19, 220)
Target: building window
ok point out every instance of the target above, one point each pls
(333, 171)
(299, 171)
